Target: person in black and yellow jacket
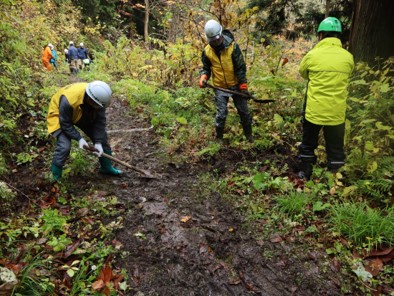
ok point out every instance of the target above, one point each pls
(327, 67)
(223, 61)
(80, 105)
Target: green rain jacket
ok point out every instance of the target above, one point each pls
(327, 67)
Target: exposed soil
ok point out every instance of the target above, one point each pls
(212, 253)
(179, 238)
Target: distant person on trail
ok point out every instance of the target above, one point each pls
(53, 60)
(46, 57)
(82, 105)
(327, 67)
(66, 55)
(82, 55)
(73, 58)
(223, 61)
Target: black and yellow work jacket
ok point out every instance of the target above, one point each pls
(68, 107)
(226, 66)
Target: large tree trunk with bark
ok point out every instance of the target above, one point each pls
(372, 30)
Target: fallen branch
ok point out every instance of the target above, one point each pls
(131, 130)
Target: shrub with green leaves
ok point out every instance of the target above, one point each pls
(6, 194)
(370, 130)
(53, 221)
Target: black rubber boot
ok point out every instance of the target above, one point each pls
(248, 133)
(219, 134)
(306, 170)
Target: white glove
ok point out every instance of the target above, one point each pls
(99, 149)
(82, 143)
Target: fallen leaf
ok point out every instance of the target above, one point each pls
(117, 244)
(106, 274)
(374, 266)
(71, 248)
(334, 264)
(184, 219)
(116, 280)
(375, 253)
(98, 285)
(276, 238)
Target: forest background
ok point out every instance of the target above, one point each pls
(149, 51)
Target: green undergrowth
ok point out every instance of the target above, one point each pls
(63, 250)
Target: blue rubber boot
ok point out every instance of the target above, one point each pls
(56, 172)
(106, 166)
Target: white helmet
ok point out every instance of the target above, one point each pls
(81, 44)
(71, 43)
(50, 46)
(100, 92)
(213, 30)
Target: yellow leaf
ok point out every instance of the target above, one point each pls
(184, 219)
(372, 167)
(349, 190)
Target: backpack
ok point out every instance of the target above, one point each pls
(228, 33)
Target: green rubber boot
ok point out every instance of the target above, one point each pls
(56, 172)
(106, 166)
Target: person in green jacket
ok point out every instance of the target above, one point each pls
(327, 67)
(223, 61)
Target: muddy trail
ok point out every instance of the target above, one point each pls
(181, 239)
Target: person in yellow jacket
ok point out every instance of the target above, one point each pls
(46, 57)
(80, 105)
(223, 61)
(327, 67)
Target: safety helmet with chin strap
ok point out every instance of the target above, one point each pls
(99, 92)
(330, 24)
(213, 30)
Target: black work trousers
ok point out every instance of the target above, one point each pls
(334, 139)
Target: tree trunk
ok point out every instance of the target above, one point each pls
(371, 33)
(146, 24)
(327, 13)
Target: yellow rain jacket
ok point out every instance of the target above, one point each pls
(74, 94)
(327, 67)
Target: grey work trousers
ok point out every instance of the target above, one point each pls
(63, 144)
(221, 100)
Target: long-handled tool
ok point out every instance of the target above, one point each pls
(247, 96)
(145, 173)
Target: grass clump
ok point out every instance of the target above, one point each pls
(294, 203)
(365, 226)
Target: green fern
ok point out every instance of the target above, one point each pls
(377, 189)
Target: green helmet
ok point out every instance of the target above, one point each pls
(330, 24)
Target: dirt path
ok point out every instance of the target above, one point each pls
(210, 252)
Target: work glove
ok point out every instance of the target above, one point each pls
(99, 149)
(82, 143)
(243, 87)
(203, 81)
